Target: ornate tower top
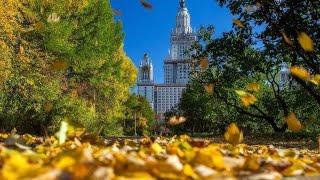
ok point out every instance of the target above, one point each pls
(145, 70)
(146, 60)
(183, 20)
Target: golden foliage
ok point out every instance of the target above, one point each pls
(84, 156)
(233, 134)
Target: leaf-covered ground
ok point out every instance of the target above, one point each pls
(85, 156)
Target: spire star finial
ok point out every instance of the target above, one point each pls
(182, 4)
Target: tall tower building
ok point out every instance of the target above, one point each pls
(145, 80)
(177, 67)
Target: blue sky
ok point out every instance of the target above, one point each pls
(149, 30)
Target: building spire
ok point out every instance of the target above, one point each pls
(182, 4)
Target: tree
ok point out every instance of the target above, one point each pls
(65, 62)
(139, 116)
(237, 67)
(285, 28)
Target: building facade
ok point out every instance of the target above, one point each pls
(177, 67)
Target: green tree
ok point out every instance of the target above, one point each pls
(65, 60)
(281, 24)
(139, 116)
(235, 64)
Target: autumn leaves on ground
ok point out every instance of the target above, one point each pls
(64, 92)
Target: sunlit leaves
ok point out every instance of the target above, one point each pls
(176, 120)
(293, 123)
(146, 4)
(306, 42)
(233, 134)
(238, 23)
(300, 72)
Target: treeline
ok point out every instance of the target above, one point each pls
(242, 76)
(62, 61)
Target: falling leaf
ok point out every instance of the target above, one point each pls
(293, 123)
(233, 135)
(59, 65)
(146, 4)
(204, 63)
(300, 72)
(176, 120)
(248, 99)
(209, 88)
(62, 133)
(254, 87)
(306, 42)
(238, 23)
(287, 39)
